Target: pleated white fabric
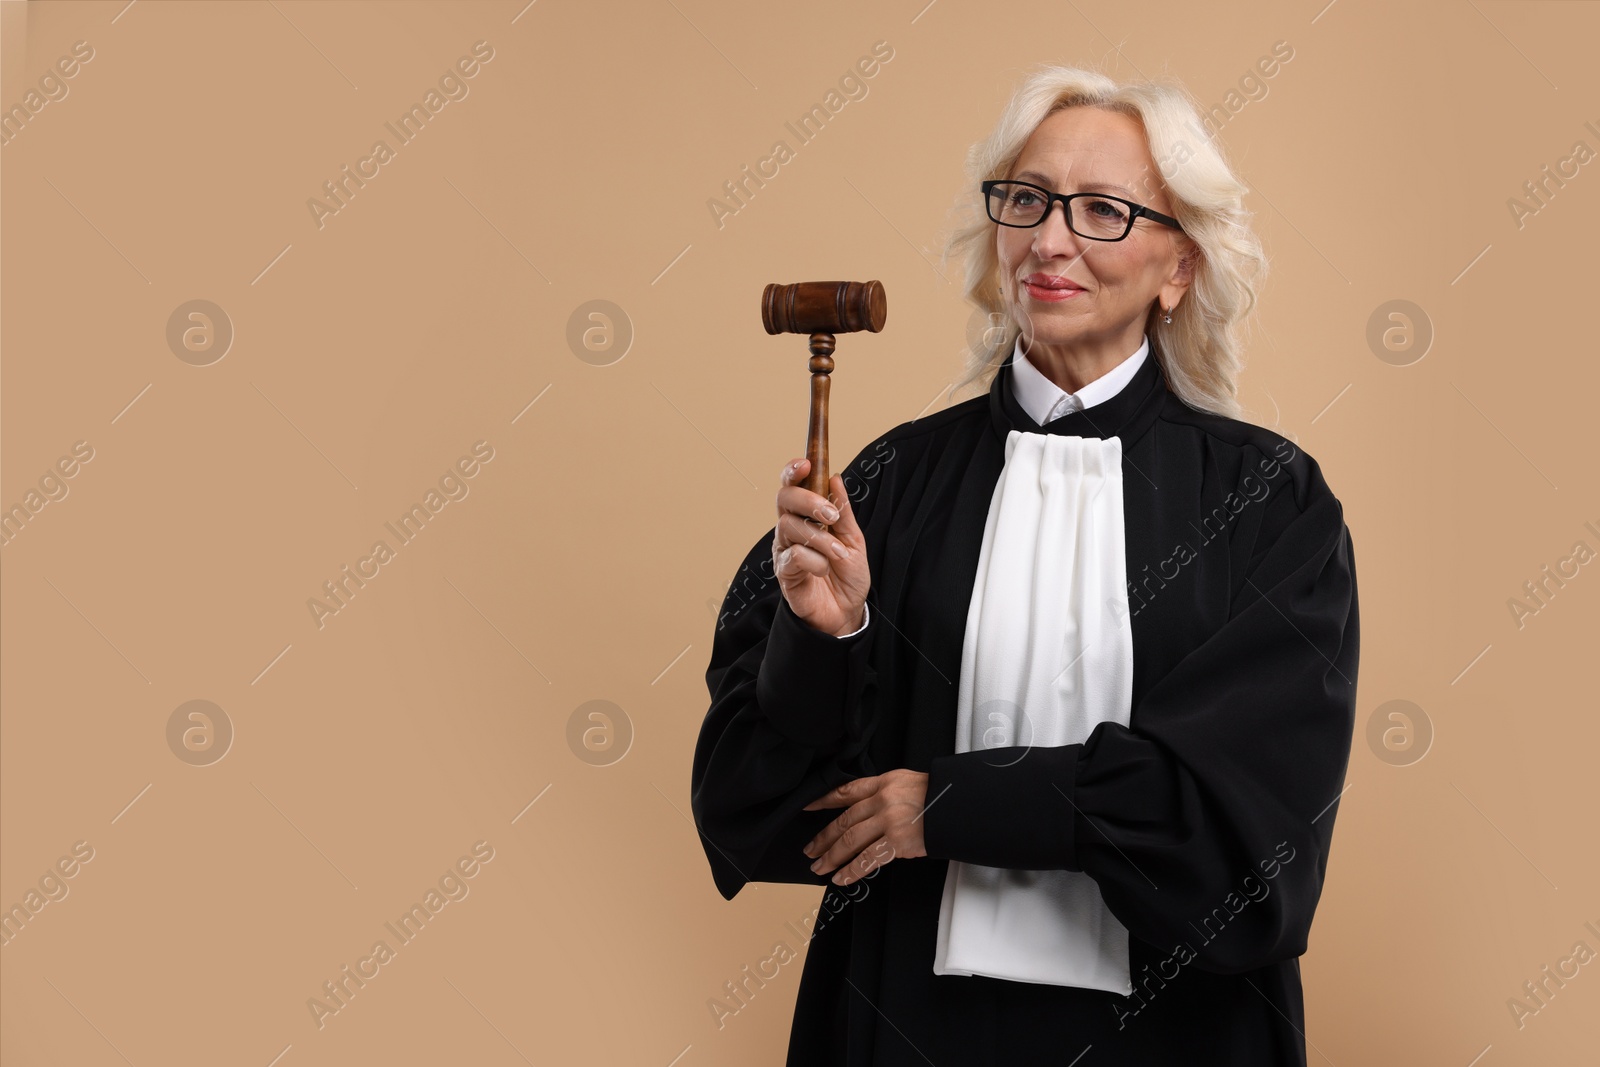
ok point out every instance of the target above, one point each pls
(1048, 654)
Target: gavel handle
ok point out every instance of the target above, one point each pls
(817, 426)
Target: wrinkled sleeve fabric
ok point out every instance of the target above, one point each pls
(1209, 818)
(788, 720)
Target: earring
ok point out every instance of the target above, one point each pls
(1166, 316)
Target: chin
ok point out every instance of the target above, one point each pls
(1055, 329)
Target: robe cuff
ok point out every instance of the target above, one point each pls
(1005, 807)
(810, 681)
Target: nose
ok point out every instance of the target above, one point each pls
(1053, 237)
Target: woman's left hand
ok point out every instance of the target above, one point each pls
(883, 814)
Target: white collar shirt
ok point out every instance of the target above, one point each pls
(1045, 401)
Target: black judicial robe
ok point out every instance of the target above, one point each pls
(1206, 822)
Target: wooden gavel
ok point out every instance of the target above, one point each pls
(822, 309)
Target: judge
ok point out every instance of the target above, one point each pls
(1054, 693)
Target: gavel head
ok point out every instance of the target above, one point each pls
(824, 307)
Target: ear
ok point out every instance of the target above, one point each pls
(1188, 261)
(1183, 273)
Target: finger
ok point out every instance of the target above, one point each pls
(802, 502)
(848, 844)
(798, 559)
(796, 498)
(830, 799)
(868, 861)
(829, 835)
(845, 795)
(791, 474)
(793, 530)
(794, 474)
(794, 470)
(846, 525)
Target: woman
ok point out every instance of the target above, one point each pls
(1054, 693)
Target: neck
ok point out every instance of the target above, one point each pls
(1074, 364)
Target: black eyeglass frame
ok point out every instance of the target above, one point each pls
(1135, 212)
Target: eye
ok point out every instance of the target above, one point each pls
(1106, 209)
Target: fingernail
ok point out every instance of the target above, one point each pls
(830, 513)
(816, 867)
(841, 551)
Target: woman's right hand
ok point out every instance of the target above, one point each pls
(824, 586)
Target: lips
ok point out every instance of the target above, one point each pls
(1051, 281)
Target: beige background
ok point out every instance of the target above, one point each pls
(586, 562)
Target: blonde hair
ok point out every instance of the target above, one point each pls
(1199, 351)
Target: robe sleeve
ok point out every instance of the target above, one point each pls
(1208, 819)
(789, 715)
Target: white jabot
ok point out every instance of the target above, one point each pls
(1047, 656)
(1045, 401)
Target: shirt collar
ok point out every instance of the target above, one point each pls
(1045, 401)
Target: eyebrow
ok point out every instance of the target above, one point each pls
(1041, 179)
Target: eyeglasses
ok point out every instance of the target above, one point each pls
(1096, 216)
